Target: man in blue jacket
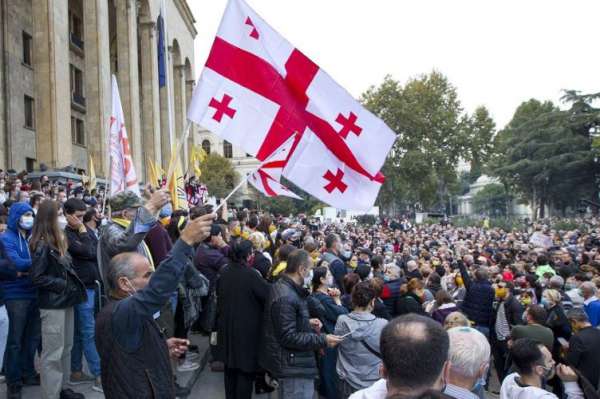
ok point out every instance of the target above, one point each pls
(21, 303)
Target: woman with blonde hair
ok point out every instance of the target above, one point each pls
(456, 319)
(260, 260)
(557, 319)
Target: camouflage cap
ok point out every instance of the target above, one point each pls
(124, 200)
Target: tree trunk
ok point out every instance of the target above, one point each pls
(534, 205)
(542, 208)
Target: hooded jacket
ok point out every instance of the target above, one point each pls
(17, 251)
(512, 389)
(356, 364)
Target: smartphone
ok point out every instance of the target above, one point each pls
(347, 334)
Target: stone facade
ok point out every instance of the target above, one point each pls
(55, 77)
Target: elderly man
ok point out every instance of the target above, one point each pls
(591, 304)
(133, 350)
(391, 288)
(414, 351)
(131, 221)
(469, 359)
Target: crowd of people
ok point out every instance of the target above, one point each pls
(290, 303)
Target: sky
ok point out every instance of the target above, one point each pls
(497, 53)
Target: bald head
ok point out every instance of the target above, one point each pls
(127, 273)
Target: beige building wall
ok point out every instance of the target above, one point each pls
(115, 37)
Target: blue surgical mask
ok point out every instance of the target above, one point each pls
(26, 222)
(479, 384)
(544, 302)
(166, 211)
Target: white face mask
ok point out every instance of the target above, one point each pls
(62, 222)
(329, 280)
(308, 278)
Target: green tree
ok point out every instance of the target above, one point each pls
(425, 114)
(492, 200)
(218, 175)
(546, 155)
(478, 132)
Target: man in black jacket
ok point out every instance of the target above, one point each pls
(584, 346)
(478, 304)
(133, 349)
(508, 314)
(82, 248)
(289, 338)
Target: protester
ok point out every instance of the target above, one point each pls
(133, 351)
(591, 303)
(359, 356)
(509, 314)
(242, 294)
(456, 319)
(82, 245)
(469, 359)
(289, 337)
(534, 365)
(478, 303)
(21, 301)
(411, 298)
(557, 319)
(414, 352)
(333, 248)
(444, 306)
(583, 349)
(535, 329)
(59, 291)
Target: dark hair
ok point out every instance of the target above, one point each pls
(442, 297)
(578, 315)
(240, 251)
(481, 274)
(414, 350)
(377, 283)
(284, 252)
(542, 260)
(376, 262)
(362, 294)
(173, 228)
(73, 205)
(318, 274)
(89, 214)
(35, 198)
(526, 354)
(264, 224)
(330, 240)
(253, 221)
(363, 271)
(538, 314)
(350, 280)
(296, 259)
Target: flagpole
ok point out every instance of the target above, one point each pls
(184, 136)
(241, 183)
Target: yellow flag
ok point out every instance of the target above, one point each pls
(154, 179)
(92, 173)
(176, 182)
(197, 156)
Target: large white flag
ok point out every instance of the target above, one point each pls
(122, 175)
(257, 90)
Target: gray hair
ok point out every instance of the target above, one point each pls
(120, 265)
(590, 287)
(557, 282)
(578, 314)
(469, 350)
(411, 265)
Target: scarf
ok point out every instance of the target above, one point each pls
(125, 224)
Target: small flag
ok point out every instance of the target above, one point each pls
(92, 172)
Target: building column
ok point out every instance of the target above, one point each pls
(179, 109)
(129, 79)
(150, 93)
(97, 81)
(52, 80)
(194, 133)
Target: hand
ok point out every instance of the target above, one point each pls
(74, 222)
(157, 201)
(177, 347)
(197, 230)
(220, 242)
(566, 373)
(333, 292)
(315, 324)
(333, 340)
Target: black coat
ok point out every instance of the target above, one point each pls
(584, 354)
(56, 280)
(288, 342)
(82, 248)
(478, 304)
(242, 294)
(409, 303)
(262, 264)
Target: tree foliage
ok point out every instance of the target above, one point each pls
(478, 132)
(218, 175)
(492, 200)
(546, 155)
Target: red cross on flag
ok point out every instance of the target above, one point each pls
(316, 169)
(257, 90)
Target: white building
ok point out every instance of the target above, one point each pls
(465, 202)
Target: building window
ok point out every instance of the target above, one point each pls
(27, 43)
(206, 146)
(227, 149)
(77, 86)
(77, 131)
(76, 30)
(29, 162)
(29, 106)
